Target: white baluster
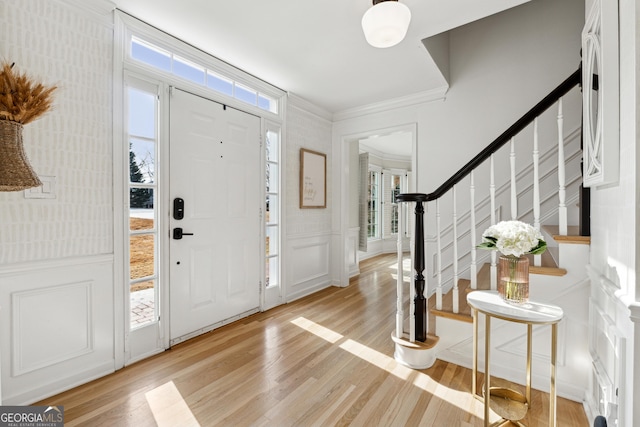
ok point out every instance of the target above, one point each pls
(537, 259)
(562, 207)
(455, 254)
(473, 268)
(439, 258)
(514, 191)
(492, 195)
(400, 278)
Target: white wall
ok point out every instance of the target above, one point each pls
(56, 255)
(500, 67)
(614, 226)
(309, 231)
(614, 248)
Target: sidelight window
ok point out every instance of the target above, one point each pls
(272, 206)
(142, 139)
(396, 188)
(373, 204)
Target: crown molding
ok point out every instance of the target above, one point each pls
(384, 156)
(634, 309)
(102, 10)
(390, 104)
(302, 104)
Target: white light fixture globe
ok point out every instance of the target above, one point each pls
(385, 24)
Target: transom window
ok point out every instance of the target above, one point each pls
(164, 60)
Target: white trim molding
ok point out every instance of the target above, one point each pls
(296, 101)
(436, 94)
(98, 10)
(57, 330)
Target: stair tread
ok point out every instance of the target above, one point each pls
(464, 313)
(573, 235)
(548, 267)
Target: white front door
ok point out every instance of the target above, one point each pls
(215, 168)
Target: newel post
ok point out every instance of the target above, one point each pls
(420, 302)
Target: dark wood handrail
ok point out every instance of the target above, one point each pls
(564, 87)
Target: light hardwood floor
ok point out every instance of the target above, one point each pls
(326, 359)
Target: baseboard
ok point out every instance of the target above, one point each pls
(308, 291)
(59, 386)
(563, 389)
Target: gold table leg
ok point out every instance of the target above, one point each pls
(474, 380)
(529, 367)
(487, 375)
(552, 392)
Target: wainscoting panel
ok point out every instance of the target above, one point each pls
(608, 349)
(308, 268)
(353, 259)
(57, 320)
(56, 325)
(508, 339)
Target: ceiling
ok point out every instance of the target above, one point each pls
(395, 145)
(316, 49)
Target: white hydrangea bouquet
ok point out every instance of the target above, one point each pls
(513, 238)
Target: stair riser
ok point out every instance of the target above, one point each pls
(574, 257)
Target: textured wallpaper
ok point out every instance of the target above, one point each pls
(63, 46)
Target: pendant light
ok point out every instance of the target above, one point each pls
(385, 24)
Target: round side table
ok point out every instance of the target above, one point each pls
(509, 404)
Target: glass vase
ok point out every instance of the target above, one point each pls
(513, 279)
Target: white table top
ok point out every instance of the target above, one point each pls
(489, 302)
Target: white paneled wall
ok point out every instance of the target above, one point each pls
(308, 265)
(614, 256)
(56, 326)
(56, 255)
(308, 231)
(352, 255)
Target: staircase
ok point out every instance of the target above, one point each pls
(561, 280)
(548, 267)
(530, 173)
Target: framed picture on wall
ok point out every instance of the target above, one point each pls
(313, 179)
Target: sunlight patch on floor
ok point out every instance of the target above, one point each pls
(406, 270)
(378, 359)
(319, 330)
(406, 265)
(461, 399)
(169, 408)
(406, 278)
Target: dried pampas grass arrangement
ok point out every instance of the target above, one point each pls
(22, 100)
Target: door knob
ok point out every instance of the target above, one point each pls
(178, 233)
